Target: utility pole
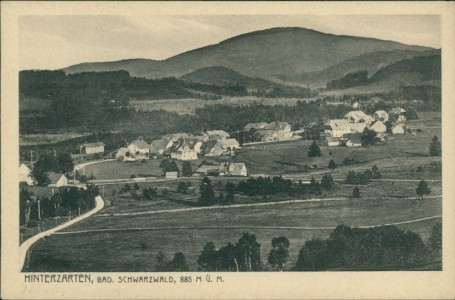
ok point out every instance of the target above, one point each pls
(39, 210)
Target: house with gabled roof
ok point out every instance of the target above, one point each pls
(255, 126)
(233, 169)
(217, 134)
(282, 130)
(158, 147)
(25, 174)
(381, 115)
(378, 127)
(221, 147)
(57, 179)
(333, 141)
(358, 116)
(92, 148)
(208, 170)
(139, 148)
(398, 114)
(399, 129)
(185, 149)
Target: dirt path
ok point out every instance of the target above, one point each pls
(176, 210)
(25, 246)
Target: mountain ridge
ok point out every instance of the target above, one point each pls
(279, 51)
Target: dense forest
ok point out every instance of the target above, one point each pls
(349, 80)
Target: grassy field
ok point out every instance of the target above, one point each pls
(188, 106)
(184, 231)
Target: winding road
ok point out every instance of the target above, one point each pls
(25, 246)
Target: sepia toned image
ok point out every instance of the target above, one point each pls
(167, 147)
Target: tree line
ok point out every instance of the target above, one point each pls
(376, 248)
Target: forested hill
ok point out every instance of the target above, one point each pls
(226, 77)
(421, 70)
(264, 54)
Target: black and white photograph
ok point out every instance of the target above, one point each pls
(164, 146)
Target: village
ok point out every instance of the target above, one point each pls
(344, 132)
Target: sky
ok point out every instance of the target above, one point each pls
(53, 42)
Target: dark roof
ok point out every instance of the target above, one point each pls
(97, 144)
(54, 177)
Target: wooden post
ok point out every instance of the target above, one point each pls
(39, 210)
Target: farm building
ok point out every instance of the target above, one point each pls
(25, 174)
(264, 135)
(232, 169)
(358, 116)
(333, 141)
(217, 134)
(171, 175)
(92, 148)
(158, 147)
(398, 114)
(139, 148)
(255, 126)
(210, 170)
(57, 180)
(378, 127)
(282, 130)
(221, 147)
(399, 129)
(381, 115)
(354, 141)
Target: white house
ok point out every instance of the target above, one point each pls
(381, 115)
(356, 105)
(282, 130)
(342, 127)
(25, 174)
(92, 148)
(337, 127)
(186, 149)
(184, 153)
(358, 116)
(399, 129)
(378, 127)
(57, 180)
(233, 169)
(139, 148)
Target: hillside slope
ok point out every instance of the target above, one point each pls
(222, 76)
(417, 71)
(371, 62)
(266, 53)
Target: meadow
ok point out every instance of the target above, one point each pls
(188, 106)
(135, 250)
